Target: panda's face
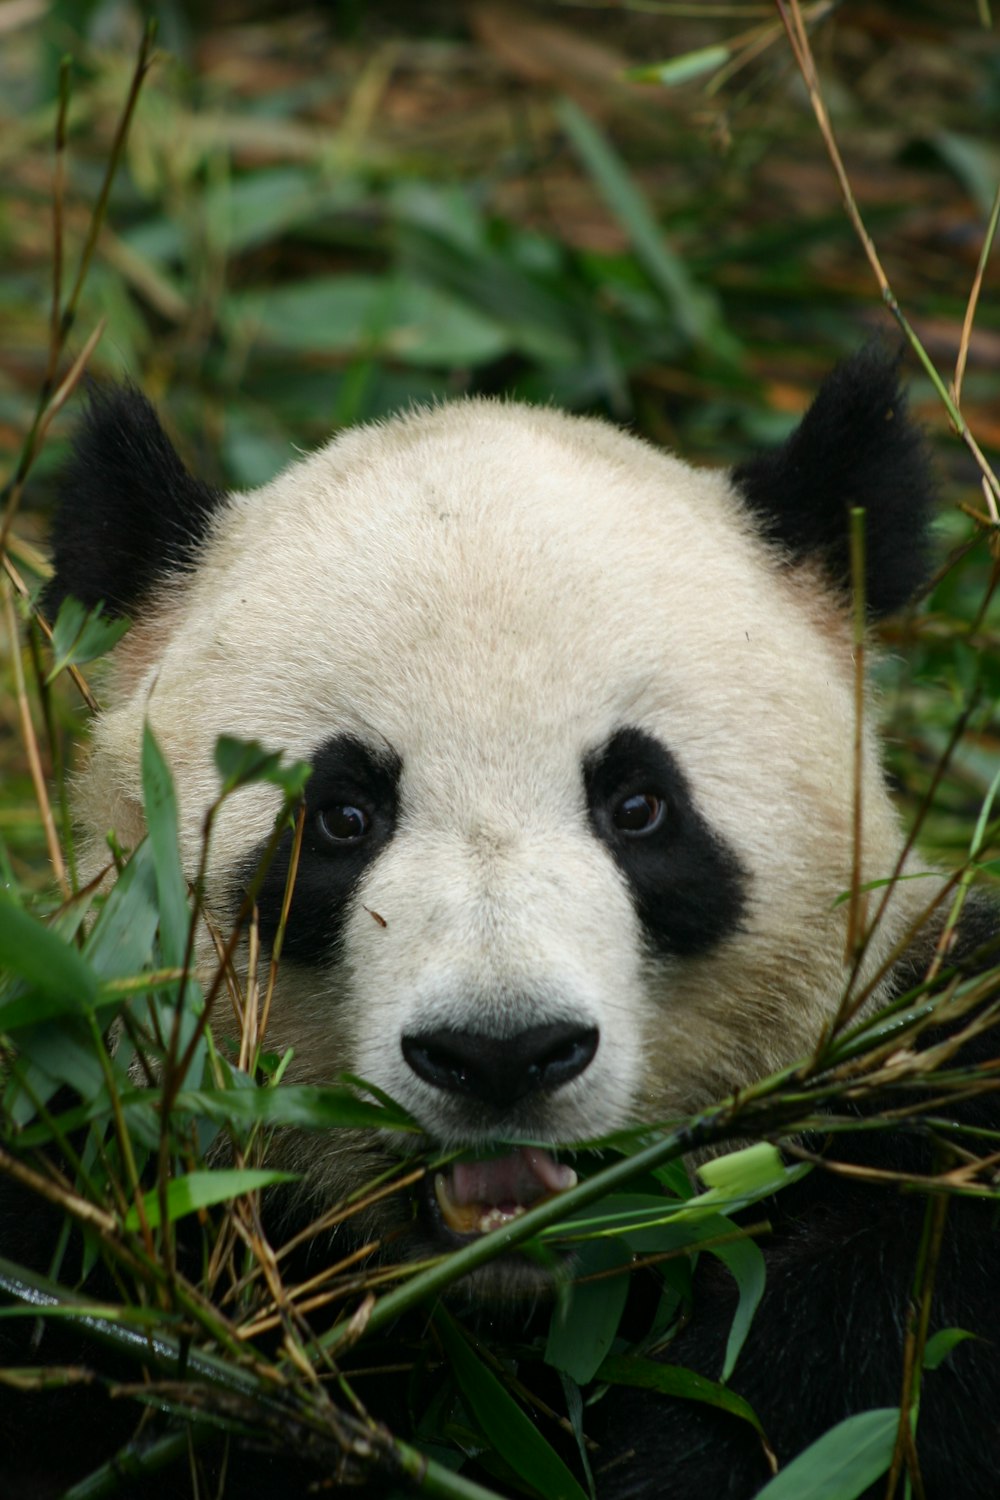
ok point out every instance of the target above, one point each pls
(582, 790)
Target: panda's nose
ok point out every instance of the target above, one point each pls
(501, 1070)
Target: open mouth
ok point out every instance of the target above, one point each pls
(473, 1197)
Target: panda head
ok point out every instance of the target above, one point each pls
(581, 724)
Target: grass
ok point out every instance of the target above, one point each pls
(283, 227)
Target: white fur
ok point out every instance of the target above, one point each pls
(493, 591)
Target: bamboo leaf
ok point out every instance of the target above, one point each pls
(940, 1345)
(745, 1263)
(584, 1324)
(513, 1434)
(201, 1190)
(240, 762)
(674, 1380)
(748, 1171)
(120, 943)
(161, 819)
(79, 635)
(306, 1105)
(349, 314)
(684, 68)
(843, 1462)
(694, 308)
(45, 960)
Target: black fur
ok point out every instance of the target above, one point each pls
(689, 887)
(345, 771)
(827, 1340)
(129, 513)
(856, 446)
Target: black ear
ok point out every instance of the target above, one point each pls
(128, 511)
(855, 446)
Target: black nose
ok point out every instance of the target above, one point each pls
(501, 1070)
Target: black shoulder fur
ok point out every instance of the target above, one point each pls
(828, 1339)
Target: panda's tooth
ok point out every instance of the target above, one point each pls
(479, 1217)
(555, 1176)
(462, 1218)
(567, 1177)
(493, 1218)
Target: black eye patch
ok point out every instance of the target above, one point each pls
(688, 885)
(352, 800)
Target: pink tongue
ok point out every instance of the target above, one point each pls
(522, 1177)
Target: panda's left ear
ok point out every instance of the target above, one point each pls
(856, 446)
(129, 516)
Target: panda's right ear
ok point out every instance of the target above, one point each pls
(856, 446)
(128, 512)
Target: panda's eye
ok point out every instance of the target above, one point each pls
(343, 823)
(639, 814)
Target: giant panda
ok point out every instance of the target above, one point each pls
(581, 725)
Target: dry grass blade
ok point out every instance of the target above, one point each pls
(38, 432)
(61, 1195)
(855, 914)
(38, 775)
(973, 302)
(77, 677)
(795, 27)
(279, 937)
(63, 318)
(58, 203)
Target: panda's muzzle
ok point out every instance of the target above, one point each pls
(497, 1071)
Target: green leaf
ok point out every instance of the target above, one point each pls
(985, 814)
(573, 1397)
(79, 635)
(749, 1170)
(745, 1263)
(694, 308)
(121, 940)
(245, 211)
(363, 1087)
(513, 1434)
(682, 69)
(138, 1106)
(586, 1320)
(676, 1179)
(648, 1224)
(352, 314)
(975, 162)
(741, 1178)
(241, 762)
(161, 819)
(60, 1051)
(255, 447)
(29, 1007)
(674, 1380)
(53, 967)
(305, 1105)
(940, 1345)
(201, 1189)
(843, 1462)
(537, 319)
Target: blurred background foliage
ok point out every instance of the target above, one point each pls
(326, 212)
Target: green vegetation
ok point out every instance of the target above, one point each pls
(282, 226)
